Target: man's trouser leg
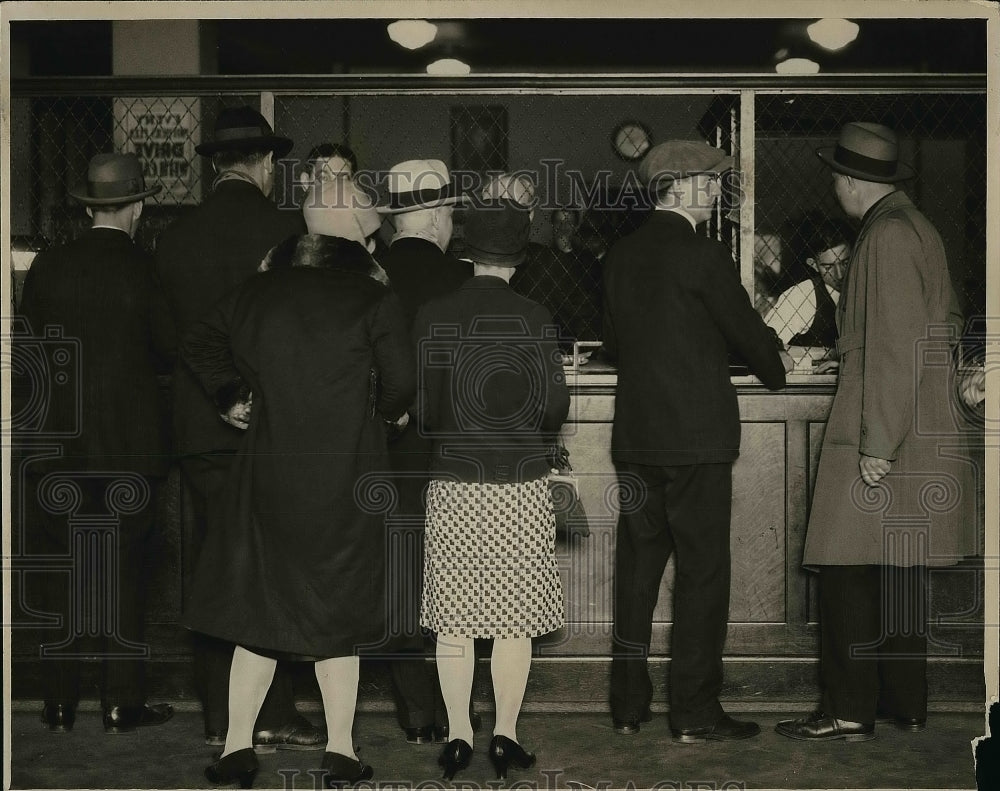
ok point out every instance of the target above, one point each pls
(698, 504)
(642, 547)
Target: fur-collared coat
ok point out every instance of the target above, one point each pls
(298, 563)
(898, 319)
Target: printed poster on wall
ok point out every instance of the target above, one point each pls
(163, 132)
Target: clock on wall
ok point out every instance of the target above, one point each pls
(631, 140)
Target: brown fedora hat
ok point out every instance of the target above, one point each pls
(244, 129)
(113, 179)
(867, 151)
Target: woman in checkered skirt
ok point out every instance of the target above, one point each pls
(492, 395)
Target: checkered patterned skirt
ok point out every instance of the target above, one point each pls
(489, 560)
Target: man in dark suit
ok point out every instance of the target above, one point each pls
(674, 307)
(93, 300)
(201, 258)
(421, 201)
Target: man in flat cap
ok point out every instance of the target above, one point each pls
(96, 294)
(892, 440)
(201, 258)
(421, 200)
(674, 308)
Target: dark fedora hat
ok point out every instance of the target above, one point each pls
(496, 232)
(113, 179)
(244, 129)
(867, 151)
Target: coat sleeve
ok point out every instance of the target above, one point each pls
(207, 351)
(895, 321)
(743, 328)
(393, 358)
(555, 406)
(609, 341)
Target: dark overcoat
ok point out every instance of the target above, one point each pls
(674, 307)
(298, 564)
(419, 271)
(101, 331)
(899, 320)
(200, 259)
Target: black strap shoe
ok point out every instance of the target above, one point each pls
(123, 719)
(59, 716)
(725, 729)
(820, 727)
(238, 767)
(297, 735)
(342, 770)
(441, 732)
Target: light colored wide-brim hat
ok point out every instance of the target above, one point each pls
(113, 179)
(338, 207)
(679, 159)
(243, 129)
(867, 151)
(419, 184)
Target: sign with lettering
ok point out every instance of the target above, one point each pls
(163, 132)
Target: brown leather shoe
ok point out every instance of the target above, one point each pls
(726, 729)
(820, 727)
(297, 735)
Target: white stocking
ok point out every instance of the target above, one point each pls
(338, 684)
(456, 665)
(249, 679)
(509, 667)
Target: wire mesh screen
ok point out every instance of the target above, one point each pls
(585, 189)
(942, 136)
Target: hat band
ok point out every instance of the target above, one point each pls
(241, 133)
(115, 189)
(406, 200)
(855, 161)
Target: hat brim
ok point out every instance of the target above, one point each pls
(903, 171)
(279, 145)
(494, 259)
(664, 177)
(79, 193)
(449, 200)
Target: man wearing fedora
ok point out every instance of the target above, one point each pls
(97, 293)
(202, 257)
(674, 308)
(421, 200)
(891, 440)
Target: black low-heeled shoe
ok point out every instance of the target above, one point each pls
(238, 767)
(504, 752)
(456, 755)
(342, 770)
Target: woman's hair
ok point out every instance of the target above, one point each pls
(328, 150)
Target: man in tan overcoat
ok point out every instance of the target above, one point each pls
(894, 491)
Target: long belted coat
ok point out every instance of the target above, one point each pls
(898, 319)
(298, 563)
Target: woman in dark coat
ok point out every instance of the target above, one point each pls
(319, 347)
(492, 396)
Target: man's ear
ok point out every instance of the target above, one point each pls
(810, 261)
(90, 212)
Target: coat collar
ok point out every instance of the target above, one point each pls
(487, 282)
(891, 202)
(671, 219)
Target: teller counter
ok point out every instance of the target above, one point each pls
(773, 639)
(772, 648)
